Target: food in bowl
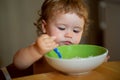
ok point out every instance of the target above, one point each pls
(77, 59)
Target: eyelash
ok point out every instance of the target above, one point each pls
(60, 28)
(76, 31)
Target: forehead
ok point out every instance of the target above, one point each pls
(58, 13)
(68, 19)
(66, 16)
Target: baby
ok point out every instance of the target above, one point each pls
(61, 22)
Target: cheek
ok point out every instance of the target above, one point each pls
(77, 39)
(57, 34)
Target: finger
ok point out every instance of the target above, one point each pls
(54, 45)
(53, 37)
(44, 36)
(50, 40)
(51, 47)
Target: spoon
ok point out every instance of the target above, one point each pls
(58, 52)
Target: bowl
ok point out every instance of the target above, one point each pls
(77, 59)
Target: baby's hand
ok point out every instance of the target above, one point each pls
(45, 43)
(107, 58)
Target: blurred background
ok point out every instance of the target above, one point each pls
(17, 29)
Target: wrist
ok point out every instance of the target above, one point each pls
(35, 53)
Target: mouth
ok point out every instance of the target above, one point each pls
(66, 43)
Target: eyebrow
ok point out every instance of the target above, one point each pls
(78, 27)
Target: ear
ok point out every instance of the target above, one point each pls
(44, 25)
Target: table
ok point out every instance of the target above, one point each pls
(107, 71)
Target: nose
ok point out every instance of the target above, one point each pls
(69, 34)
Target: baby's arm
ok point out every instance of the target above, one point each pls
(27, 56)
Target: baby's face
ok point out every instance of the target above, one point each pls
(67, 28)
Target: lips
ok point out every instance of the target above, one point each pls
(67, 42)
